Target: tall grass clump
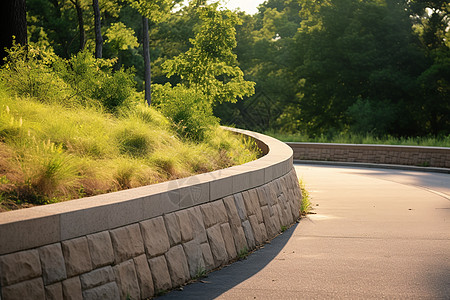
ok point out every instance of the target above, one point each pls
(89, 132)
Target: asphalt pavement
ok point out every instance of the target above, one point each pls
(374, 233)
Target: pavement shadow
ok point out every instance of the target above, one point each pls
(220, 281)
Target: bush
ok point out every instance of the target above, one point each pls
(188, 109)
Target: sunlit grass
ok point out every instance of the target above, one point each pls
(352, 138)
(51, 153)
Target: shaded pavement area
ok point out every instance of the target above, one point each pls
(375, 233)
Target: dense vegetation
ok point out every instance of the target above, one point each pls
(78, 126)
(335, 67)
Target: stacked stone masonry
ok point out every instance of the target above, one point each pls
(378, 154)
(140, 260)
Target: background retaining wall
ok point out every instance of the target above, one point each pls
(139, 242)
(438, 157)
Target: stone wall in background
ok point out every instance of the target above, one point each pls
(437, 157)
(143, 259)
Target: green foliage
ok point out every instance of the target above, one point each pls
(121, 37)
(305, 202)
(188, 109)
(209, 66)
(243, 253)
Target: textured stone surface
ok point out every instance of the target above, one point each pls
(31, 289)
(263, 232)
(97, 277)
(155, 236)
(52, 262)
(76, 256)
(217, 245)
(256, 230)
(19, 266)
(240, 206)
(173, 229)
(262, 197)
(268, 222)
(160, 274)
(208, 215)
(187, 233)
(144, 276)
(207, 256)
(108, 291)
(194, 257)
(219, 211)
(127, 280)
(228, 240)
(251, 209)
(72, 289)
(232, 212)
(100, 247)
(54, 291)
(198, 227)
(255, 201)
(178, 265)
(127, 242)
(248, 231)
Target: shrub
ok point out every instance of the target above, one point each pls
(188, 109)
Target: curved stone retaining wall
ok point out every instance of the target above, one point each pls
(438, 157)
(139, 242)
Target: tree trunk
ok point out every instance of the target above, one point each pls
(98, 30)
(80, 23)
(148, 74)
(13, 14)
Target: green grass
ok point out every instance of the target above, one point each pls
(351, 138)
(306, 205)
(51, 153)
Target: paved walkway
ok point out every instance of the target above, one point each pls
(375, 234)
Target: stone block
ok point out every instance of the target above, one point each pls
(72, 289)
(187, 233)
(240, 206)
(126, 279)
(295, 210)
(207, 256)
(263, 232)
(268, 222)
(97, 277)
(127, 242)
(155, 235)
(101, 249)
(198, 227)
(194, 257)
(235, 224)
(144, 277)
(178, 265)
(173, 229)
(248, 231)
(160, 274)
(251, 210)
(19, 266)
(228, 240)
(232, 212)
(217, 245)
(54, 291)
(219, 211)
(52, 262)
(256, 230)
(208, 215)
(77, 257)
(255, 201)
(30, 289)
(108, 291)
(262, 197)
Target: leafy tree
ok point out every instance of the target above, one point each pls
(155, 11)
(210, 66)
(98, 30)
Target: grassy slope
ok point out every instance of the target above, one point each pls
(50, 153)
